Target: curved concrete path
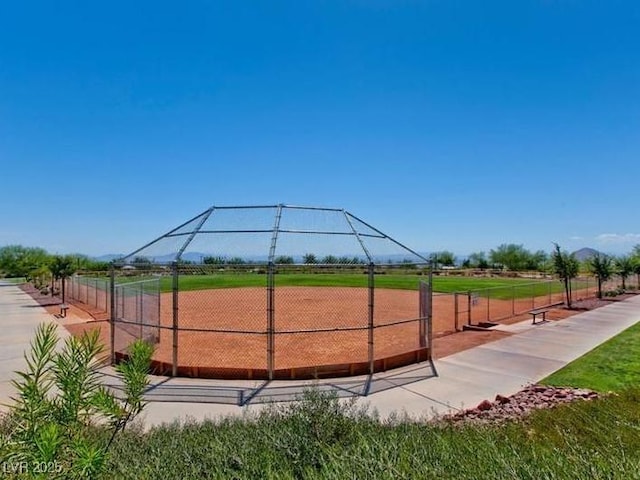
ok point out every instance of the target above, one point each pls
(458, 381)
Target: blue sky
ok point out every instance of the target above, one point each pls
(447, 124)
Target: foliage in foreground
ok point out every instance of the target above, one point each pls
(321, 437)
(64, 420)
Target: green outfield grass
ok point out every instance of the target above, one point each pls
(501, 288)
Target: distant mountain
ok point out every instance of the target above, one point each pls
(586, 253)
(108, 257)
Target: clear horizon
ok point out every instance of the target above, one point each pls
(447, 125)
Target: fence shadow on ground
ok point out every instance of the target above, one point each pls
(244, 392)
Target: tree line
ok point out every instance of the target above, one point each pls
(43, 269)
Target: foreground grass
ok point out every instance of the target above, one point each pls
(609, 367)
(14, 280)
(321, 438)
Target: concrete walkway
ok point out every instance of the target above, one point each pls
(19, 317)
(458, 381)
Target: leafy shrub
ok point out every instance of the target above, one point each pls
(63, 417)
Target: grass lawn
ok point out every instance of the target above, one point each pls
(611, 366)
(502, 288)
(16, 280)
(325, 439)
(321, 437)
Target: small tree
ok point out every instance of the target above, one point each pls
(624, 268)
(479, 260)
(330, 260)
(601, 266)
(62, 268)
(213, 260)
(284, 260)
(566, 266)
(635, 262)
(445, 258)
(309, 259)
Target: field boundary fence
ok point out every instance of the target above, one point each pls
(482, 307)
(90, 291)
(251, 322)
(135, 313)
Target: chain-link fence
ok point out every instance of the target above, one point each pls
(135, 312)
(258, 321)
(485, 306)
(280, 292)
(93, 292)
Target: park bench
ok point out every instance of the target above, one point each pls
(63, 309)
(539, 311)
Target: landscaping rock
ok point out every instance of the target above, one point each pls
(516, 406)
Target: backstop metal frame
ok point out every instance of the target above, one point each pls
(351, 230)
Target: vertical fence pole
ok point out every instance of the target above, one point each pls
(488, 305)
(112, 317)
(533, 295)
(422, 314)
(513, 301)
(549, 292)
(469, 308)
(270, 321)
(371, 281)
(455, 310)
(174, 364)
(158, 301)
(140, 311)
(430, 314)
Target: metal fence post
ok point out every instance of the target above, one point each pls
(174, 366)
(513, 301)
(455, 310)
(371, 282)
(430, 313)
(270, 321)
(488, 304)
(140, 312)
(469, 308)
(112, 319)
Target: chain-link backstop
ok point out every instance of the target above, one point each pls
(273, 292)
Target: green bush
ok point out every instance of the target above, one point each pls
(324, 437)
(64, 420)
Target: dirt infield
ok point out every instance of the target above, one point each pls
(319, 331)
